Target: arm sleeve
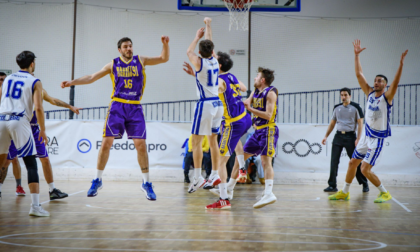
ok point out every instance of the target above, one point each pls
(359, 112)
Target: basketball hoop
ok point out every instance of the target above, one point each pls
(238, 11)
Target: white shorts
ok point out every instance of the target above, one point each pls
(207, 117)
(19, 130)
(369, 149)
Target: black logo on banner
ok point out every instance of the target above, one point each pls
(293, 148)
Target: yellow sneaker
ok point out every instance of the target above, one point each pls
(340, 195)
(382, 197)
(262, 181)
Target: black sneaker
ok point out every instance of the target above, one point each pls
(365, 187)
(331, 189)
(57, 194)
(186, 179)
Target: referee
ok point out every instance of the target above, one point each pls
(348, 116)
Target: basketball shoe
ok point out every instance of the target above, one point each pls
(196, 183)
(220, 204)
(147, 188)
(382, 197)
(340, 195)
(20, 191)
(217, 193)
(57, 194)
(212, 182)
(265, 200)
(242, 176)
(38, 211)
(96, 185)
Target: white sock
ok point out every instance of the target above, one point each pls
(145, 177)
(51, 185)
(99, 174)
(35, 199)
(382, 188)
(213, 173)
(0, 186)
(223, 190)
(268, 186)
(197, 173)
(346, 187)
(231, 184)
(241, 161)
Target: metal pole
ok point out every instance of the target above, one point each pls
(249, 55)
(73, 58)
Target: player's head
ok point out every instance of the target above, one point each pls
(225, 62)
(2, 77)
(345, 94)
(380, 83)
(26, 60)
(125, 47)
(264, 77)
(205, 48)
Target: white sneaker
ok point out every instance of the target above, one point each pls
(212, 182)
(38, 211)
(217, 193)
(196, 184)
(265, 200)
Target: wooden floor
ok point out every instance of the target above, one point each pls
(121, 219)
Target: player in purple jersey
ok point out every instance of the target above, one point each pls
(41, 150)
(125, 112)
(263, 104)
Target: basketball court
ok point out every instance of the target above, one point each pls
(308, 44)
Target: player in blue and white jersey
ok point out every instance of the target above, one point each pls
(377, 127)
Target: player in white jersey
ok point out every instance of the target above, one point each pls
(209, 109)
(377, 128)
(21, 94)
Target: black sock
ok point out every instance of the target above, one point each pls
(18, 182)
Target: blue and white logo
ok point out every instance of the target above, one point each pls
(84, 145)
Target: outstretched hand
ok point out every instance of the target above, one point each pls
(165, 40)
(357, 47)
(65, 84)
(200, 33)
(75, 110)
(188, 69)
(403, 56)
(207, 20)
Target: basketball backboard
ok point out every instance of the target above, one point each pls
(258, 6)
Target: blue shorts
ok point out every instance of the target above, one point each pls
(41, 151)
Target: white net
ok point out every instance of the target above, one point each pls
(238, 11)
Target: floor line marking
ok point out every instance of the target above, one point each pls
(399, 203)
(69, 195)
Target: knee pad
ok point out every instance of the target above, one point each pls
(32, 167)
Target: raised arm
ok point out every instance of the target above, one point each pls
(194, 59)
(268, 113)
(164, 56)
(88, 79)
(39, 111)
(329, 130)
(358, 67)
(394, 85)
(188, 69)
(58, 102)
(208, 33)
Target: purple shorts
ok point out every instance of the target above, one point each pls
(123, 117)
(232, 133)
(41, 151)
(263, 142)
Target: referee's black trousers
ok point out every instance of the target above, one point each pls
(343, 141)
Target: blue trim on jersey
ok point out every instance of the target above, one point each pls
(33, 85)
(210, 99)
(215, 130)
(26, 150)
(199, 119)
(197, 115)
(23, 71)
(200, 89)
(357, 155)
(377, 151)
(377, 133)
(201, 67)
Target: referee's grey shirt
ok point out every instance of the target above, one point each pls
(346, 116)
